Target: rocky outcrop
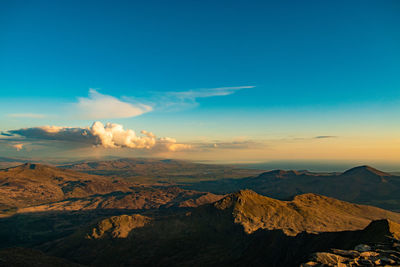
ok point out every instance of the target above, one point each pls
(118, 226)
(383, 253)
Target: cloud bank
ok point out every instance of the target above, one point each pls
(111, 136)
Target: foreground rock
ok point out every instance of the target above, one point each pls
(383, 253)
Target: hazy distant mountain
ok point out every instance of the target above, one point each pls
(364, 185)
(6, 162)
(241, 229)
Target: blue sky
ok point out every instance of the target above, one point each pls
(310, 68)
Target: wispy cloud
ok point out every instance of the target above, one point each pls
(100, 106)
(325, 136)
(187, 99)
(26, 115)
(208, 92)
(228, 145)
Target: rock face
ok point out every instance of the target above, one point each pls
(380, 254)
(386, 252)
(118, 226)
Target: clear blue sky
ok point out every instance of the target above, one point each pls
(326, 65)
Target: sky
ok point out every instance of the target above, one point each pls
(219, 81)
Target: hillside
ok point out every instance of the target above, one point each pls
(363, 185)
(237, 229)
(32, 184)
(39, 188)
(308, 212)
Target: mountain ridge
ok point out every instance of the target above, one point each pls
(307, 212)
(361, 185)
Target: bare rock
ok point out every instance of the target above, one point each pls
(362, 248)
(329, 259)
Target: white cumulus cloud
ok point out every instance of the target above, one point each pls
(113, 135)
(171, 144)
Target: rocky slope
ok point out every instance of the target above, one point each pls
(241, 229)
(382, 250)
(118, 226)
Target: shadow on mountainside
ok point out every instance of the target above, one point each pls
(208, 238)
(241, 229)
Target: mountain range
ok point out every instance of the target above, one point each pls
(70, 216)
(363, 185)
